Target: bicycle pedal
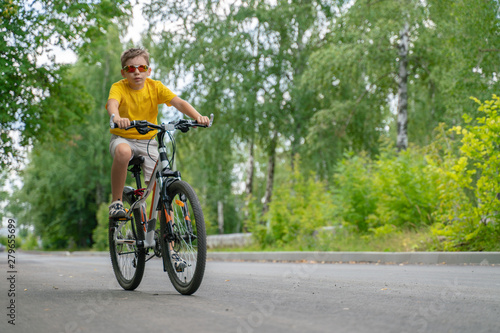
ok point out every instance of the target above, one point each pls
(180, 267)
(119, 218)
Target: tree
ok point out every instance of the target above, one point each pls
(402, 121)
(368, 63)
(252, 54)
(205, 47)
(66, 181)
(468, 204)
(28, 32)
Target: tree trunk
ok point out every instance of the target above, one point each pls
(295, 147)
(220, 202)
(220, 216)
(250, 172)
(270, 173)
(402, 140)
(249, 184)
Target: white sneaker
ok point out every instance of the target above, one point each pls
(179, 263)
(116, 209)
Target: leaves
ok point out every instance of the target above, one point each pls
(469, 201)
(68, 175)
(28, 32)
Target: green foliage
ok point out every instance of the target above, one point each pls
(295, 78)
(30, 242)
(405, 188)
(100, 233)
(387, 239)
(253, 213)
(353, 78)
(3, 194)
(469, 187)
(300, 206)
(245, 64)
(396, 190)
(4, 240)
(28, 32)
(66, 181)
(354, 192)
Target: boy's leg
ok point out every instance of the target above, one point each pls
(149, 150)
(123, 154)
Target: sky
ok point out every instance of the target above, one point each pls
(138, 23)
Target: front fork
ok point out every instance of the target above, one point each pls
(170, 236)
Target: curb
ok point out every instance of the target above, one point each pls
(429, 258)
(67, 253)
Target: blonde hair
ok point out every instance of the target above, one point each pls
(132, 53)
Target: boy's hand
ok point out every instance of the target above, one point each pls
(202, 120)
(122, 122)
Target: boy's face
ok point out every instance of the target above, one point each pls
(136, 79)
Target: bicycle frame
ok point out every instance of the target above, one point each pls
(157, 187)
(161, 178)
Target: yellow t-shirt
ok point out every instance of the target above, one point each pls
(139, 104)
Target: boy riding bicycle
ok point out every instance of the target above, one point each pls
(137, 97)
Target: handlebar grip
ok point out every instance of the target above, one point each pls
(195, 123)
(112, 124)
(133, 123)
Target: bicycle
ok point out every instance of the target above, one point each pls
(181, 230)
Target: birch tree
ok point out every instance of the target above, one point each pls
(436, 53)
(253, 53)
(402, 121)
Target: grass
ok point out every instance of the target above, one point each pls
(405, 241)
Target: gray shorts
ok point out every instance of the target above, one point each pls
(146, 148)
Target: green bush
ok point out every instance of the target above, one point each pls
(405, 189)
(444, 196)
(354, 192)
(301, 204)
(469, 184)
(30, 242)
(397, 189)
(100, 233)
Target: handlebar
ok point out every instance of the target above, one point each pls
(144, 126)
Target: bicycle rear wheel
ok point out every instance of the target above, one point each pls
(188, 240)
(127, 259)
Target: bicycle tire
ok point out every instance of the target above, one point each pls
(128, 260)
(192, 249)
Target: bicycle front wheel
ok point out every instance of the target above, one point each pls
(184, 240)
(127, 259)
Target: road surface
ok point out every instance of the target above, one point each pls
(63, 294)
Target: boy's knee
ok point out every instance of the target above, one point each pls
(123, 152)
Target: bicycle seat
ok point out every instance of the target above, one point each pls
(136, 161)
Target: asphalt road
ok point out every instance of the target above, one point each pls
(62, 294)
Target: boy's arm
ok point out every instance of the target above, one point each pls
(189, 110)
(112, 108)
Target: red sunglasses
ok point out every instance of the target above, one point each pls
(131, 68)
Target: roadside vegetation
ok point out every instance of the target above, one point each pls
(440, 197)
(339, 125)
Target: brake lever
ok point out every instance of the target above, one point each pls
(112, 124)
(211, 120)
